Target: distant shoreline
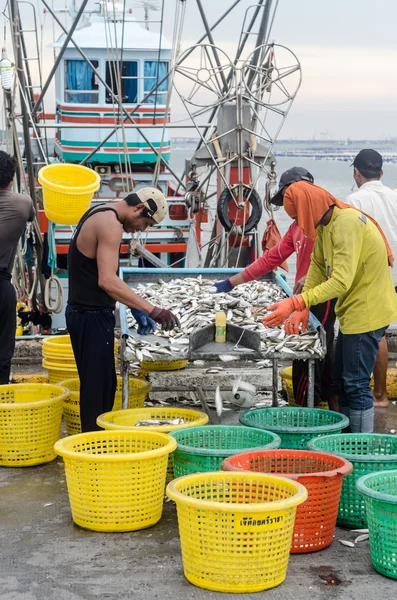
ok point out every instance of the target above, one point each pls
(348, 142)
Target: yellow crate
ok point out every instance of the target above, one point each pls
(286, 383)
(138, 393)
(163, 365)
(67, 191)
(30, 423)
(235, 528)
(116, 479)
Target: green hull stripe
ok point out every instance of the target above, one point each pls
(111, 114)
(112, 158)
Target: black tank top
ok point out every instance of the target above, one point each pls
(84, 291)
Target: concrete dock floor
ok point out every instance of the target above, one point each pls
(46, 557)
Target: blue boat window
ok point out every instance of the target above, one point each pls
(80, 82)
(122, 77)
(154, 72)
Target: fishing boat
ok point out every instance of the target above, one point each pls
(115, 80)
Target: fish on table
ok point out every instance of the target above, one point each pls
(191, 300)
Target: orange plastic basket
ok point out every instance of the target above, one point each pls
(321, 474)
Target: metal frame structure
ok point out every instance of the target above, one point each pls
(263, 5)
(244, 84)
(275, 357)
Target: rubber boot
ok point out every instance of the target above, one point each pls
(362, 421)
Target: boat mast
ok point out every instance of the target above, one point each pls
(17, 33)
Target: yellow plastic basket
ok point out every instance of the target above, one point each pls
(127, 419)
(235, 528)
(116, 479)
(138, 393)
(163, 365)
(58, 371)
(65, 361)
(58, 346)
(67, 191)
(30, 423)
(286, 383)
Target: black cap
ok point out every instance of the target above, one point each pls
(368, 162)
(291, 176)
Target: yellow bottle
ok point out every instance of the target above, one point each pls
(220, 327)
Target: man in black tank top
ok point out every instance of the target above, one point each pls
(94, 289)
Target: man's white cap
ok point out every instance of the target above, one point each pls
(154, 201)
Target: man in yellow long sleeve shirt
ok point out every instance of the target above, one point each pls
(350, 262)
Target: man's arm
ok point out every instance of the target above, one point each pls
(267, 262)
(109, 239)
(347, 243)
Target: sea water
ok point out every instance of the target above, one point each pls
(334, 175)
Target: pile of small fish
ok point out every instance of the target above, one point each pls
(192, 300)
(158, 422)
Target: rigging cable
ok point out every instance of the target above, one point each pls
(119, 66)
(179, 19)
(112, 67)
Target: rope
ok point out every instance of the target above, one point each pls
(119, 85)
(158, 61)
(176, 41)
(19, 277)
(111, 67)
(54, 305)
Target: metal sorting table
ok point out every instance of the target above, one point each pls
(136, 276)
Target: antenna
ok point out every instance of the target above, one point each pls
(147, 5)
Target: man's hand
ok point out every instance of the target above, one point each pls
(221, 287)
(299, 317)
(165, 318)
(282, 310)
(299, 285)
(145, 324)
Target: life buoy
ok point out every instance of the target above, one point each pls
(256, 209)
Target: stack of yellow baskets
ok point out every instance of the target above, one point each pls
(138, 393)
(58, 358)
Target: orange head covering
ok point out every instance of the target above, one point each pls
(308, 203)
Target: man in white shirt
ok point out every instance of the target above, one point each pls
(379, 202)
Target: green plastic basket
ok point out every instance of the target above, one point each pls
(202, 449)
(295, 425)
(369, 453)
(380, 497)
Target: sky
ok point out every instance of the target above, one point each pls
(347, 50)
